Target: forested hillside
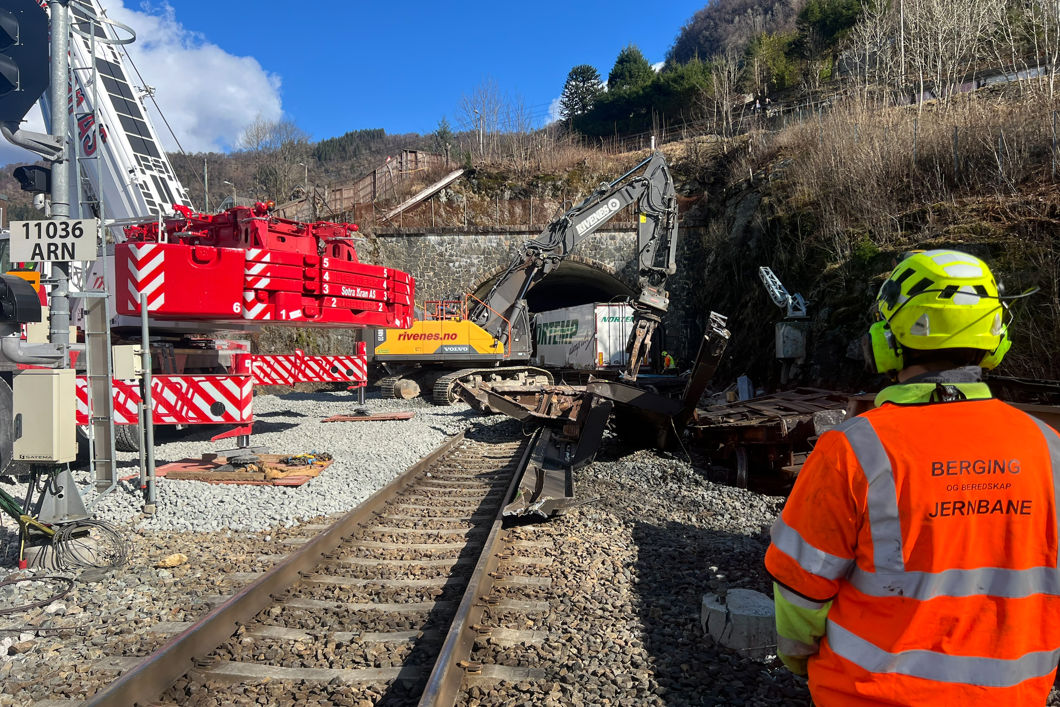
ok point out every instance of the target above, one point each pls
(728, 26)
(821, 137)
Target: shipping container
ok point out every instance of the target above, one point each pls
(588, 337)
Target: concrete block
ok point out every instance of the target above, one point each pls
(742, 620)
(82, 552)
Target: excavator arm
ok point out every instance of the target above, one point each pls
(503, 312)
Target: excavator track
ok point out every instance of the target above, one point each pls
(443, 392)
(386, 387)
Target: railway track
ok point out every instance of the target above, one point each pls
(382, 606)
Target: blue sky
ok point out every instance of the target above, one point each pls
(340, 66)
(403, 65)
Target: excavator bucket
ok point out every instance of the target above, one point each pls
(571, 420)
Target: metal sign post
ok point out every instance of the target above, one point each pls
(59, 93)
(149, 407)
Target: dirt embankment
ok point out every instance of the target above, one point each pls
(832, 205)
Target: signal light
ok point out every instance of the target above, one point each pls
(34, 178)
(23, 58)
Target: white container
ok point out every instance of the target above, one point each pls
(587, 337)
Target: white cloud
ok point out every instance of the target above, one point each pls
(208, 95)
(658, 66)
(553, 110)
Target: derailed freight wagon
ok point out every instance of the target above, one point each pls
(584, 338)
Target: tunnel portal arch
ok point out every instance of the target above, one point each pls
(575, 281)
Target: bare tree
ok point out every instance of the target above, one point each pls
(481, 112)
(1009, 39)
(265, 135)
(947, 38)
(1043, 25)
(725, 75)
(872, 48)
(519, 129)
(284, 151)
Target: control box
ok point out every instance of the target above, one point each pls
(44, 416)
(126, 362)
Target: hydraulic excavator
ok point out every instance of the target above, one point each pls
(490, 340)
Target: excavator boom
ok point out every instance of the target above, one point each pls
(650, 187)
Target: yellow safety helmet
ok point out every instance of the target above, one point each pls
(938, 299)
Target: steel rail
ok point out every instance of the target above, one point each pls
(145, 682)
(446, 677)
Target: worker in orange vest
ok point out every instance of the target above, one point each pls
(915, 562)
(668, 361)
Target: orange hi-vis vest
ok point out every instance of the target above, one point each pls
(933, 530)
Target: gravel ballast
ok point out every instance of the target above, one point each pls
(630, 566)
(367, 456)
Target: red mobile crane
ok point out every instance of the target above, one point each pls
(239, 269)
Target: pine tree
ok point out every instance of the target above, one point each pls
(444, 137)
(631, 71)
(580, 92)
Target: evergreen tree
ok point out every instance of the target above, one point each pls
(580, 92)
(631, 71)
(444, 138)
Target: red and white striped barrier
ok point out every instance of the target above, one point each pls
(273, 369)
(299, 368)
(180, 400)
(254, 308)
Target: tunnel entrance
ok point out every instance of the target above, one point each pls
(570, 284)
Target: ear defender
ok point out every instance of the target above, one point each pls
(883, 353)
(890, 292)
(991, 359)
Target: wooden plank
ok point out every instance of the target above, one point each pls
(340, 581)
(489, 674)
(269, 471)
(390, 607)
(231, 477)
(370, 418)
(429, 191)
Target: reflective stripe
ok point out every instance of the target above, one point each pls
(798, 600)
(930, 665)
(984, 581)
(882, 498)
(815, 561)
(795, 649)
(1052, 440)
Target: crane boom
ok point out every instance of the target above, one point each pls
(132, 176)
(650, 186)
(794, 304)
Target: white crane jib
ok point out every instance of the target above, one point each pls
(794, 304)
(122, 171)
(122, 163)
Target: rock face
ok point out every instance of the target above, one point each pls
(742, 620)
